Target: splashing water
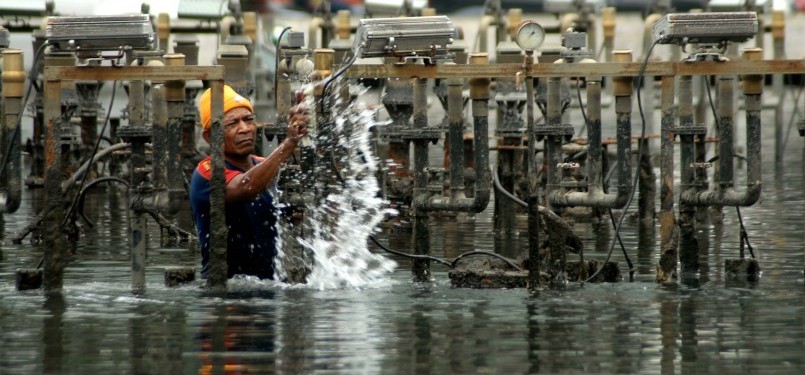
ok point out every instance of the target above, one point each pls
(343, 219)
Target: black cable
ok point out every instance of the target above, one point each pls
(744, 235)
(347, 65)
(31, 80)
(450, 264)
(609, 210)
(82, 194)
(277, 62)
(581, 106)
(71, 210)
(637, 170)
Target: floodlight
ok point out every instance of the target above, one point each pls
(706, 28)
(406, 36)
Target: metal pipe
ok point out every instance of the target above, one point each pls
(595, 196)
(553, 143)
(175, 98)
(421, 231)
(483, 29)
(159, 120)
(137, 217)
(669, 237)
(725, 194)
(56, 252)
(13, 89)
(479, 93)
(534, 225)
(217, 273)
(688, 243)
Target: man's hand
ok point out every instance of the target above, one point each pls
(298, 119)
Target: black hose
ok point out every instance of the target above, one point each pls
(277, 62)
(82, 194)
(71, 211)
(744, 236)
(609, 174)
(637, 171)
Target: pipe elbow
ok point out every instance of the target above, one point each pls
(620, 199)
(752, 194)
(481, 200)
(12, 204)
(10, 201)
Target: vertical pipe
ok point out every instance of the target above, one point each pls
(88, 101)
(753, 89)
(622, 89)
(534, 261)
(137, 224)
(163, 31)
(726, 146)
(553, 143)
(421, 233)
(175, 97)
(594, 171)
(13, 89)
(159, 111)
(55, 241)
(669, 236)
(217, 274)
(455, 114)
(688, 244)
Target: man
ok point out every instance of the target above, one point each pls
(250, 208)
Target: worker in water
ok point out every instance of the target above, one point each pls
(251, 213)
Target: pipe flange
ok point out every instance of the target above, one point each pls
(691, 130)
(564, 130)
(430, 134)
(131, 134)
(510, 133)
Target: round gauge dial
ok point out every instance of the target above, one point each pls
(529, 35)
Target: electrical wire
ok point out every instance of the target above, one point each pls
(277, 62)
(71, 210)
(609, 210)
(352, 59)
(637, 170)
(744, 235)
(82, 194)
(448, 263)
(31, 84)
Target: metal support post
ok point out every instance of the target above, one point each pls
(421, 232)
(669, 234)
(175, 97)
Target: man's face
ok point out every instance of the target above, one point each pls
(240, 130)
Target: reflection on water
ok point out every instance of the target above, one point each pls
(704, 324)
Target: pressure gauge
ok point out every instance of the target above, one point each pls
(529, 35)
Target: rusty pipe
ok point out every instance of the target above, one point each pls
(175, 99)
(725, 194)
(595, 196)
(13, 88)
(458, 201)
